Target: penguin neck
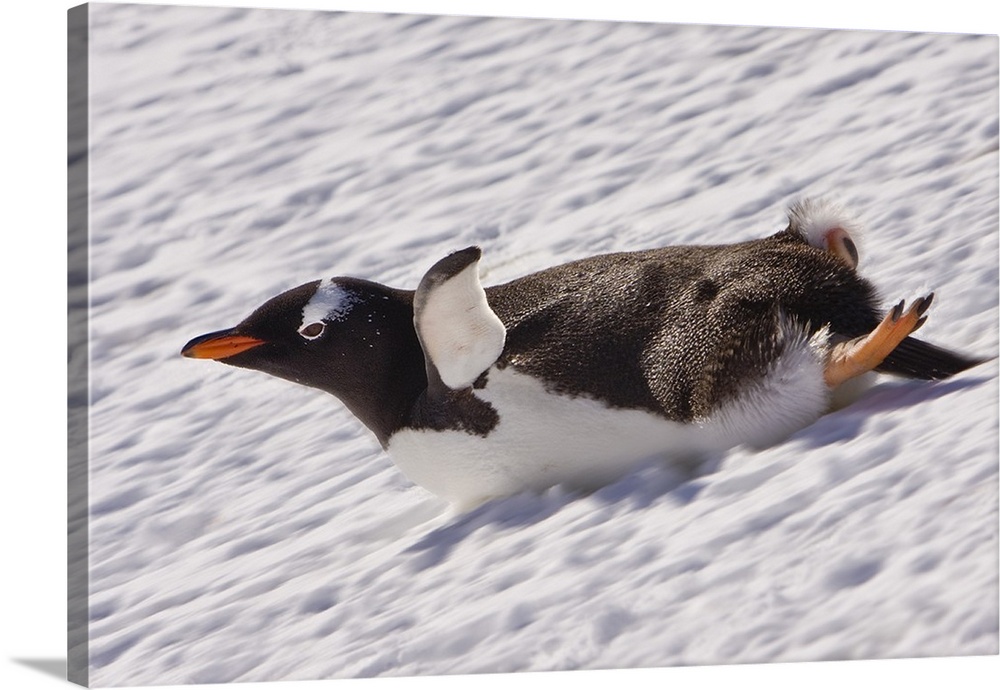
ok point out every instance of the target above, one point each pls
(387, 372)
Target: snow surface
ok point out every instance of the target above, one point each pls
(244, 528)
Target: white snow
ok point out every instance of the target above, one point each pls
(244, 528)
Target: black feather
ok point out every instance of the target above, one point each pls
(917, 359)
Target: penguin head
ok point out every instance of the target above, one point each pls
(827, 226)
(336, 335)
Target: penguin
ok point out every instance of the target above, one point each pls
(575, 374)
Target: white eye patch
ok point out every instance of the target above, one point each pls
(330, 303)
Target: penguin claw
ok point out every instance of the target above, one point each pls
(897, 311)
(923, 304)
(861, 355)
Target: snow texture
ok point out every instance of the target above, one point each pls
(244, 528)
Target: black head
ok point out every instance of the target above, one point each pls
(349, 337)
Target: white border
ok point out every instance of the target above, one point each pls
(32, 608)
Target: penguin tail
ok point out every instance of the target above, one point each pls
(917, 359)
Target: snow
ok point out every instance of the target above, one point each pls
(243, 528)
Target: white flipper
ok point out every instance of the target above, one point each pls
(460, 335)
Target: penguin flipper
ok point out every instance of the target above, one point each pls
(917, 359)
(460, 334)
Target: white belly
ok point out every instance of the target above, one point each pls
(543, 439)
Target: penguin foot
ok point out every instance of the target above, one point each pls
(861, 355)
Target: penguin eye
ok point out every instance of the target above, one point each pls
(313, 330)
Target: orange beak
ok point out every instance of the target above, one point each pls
(219, 345)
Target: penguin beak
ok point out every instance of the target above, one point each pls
(219, 345)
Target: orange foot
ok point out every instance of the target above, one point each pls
(861, 355)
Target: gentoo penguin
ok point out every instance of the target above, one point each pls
(575, 374)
